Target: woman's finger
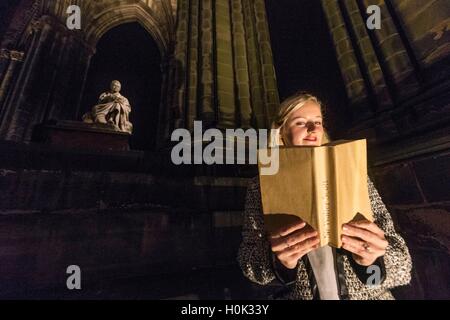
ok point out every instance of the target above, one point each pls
(364, 234)
(298, 248)
(362, 255)
(300, 254)
(354, 242)
(280, 244)
(364, 246)
(300, 236)
(370, 226)
(297, 225)
(275, 234)
(360, 252)
(305, 251)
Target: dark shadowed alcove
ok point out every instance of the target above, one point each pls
(304, 55)
(129, 54)
(6, 11)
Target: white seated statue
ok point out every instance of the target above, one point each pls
(112, 108)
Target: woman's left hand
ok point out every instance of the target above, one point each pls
(365, 240)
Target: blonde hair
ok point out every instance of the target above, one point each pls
(287, 107)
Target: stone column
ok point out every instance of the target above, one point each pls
(395, 61)
(224, 66)
(425, 25)
(14, 58)
(259, 115)
(346, 57)
(57, 79)
(192, 64)
(270, 97)
(163, 134)
(362, 43)
(180, 66)
(84, 62)
(206, 96)
(20, 106)
(51, 80)
(243, 102)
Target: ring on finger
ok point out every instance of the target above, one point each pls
(366, 247)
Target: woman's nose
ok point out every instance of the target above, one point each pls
(310, 126)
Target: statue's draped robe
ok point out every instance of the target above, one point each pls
(114, 108)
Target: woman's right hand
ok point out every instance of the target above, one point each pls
(292, 242)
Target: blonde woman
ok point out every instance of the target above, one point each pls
(373, 258)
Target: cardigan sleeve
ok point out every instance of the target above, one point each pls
(397, 260)
(254, 256)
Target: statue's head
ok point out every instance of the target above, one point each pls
(115, 86)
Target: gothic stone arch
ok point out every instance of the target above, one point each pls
(50, 83)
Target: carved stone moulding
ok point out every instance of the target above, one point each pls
(11, 55)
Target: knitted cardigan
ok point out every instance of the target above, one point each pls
(255, 256)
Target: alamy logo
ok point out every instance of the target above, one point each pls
(221, 149)
(74, 19)
(374, 20)
(74, 280)
(375, 275)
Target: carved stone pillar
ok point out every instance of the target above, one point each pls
(243, 101)
(224, 67)
(347, 59)
(50, 81)
(395, 61)
(206, 91)
(164, 113)
(14, 57)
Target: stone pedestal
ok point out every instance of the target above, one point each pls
(80, 135)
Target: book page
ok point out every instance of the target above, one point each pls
(351, 193)
(287, 195)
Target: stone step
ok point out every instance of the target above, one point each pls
(220, 283)
(37, 249)
(78, 181)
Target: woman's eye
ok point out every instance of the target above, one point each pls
(300, 123)
(318, 123)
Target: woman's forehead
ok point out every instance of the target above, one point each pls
(308, 110)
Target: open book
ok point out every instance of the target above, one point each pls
(325, 186)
